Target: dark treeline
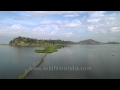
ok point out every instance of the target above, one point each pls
(112, 43)
(30, 41)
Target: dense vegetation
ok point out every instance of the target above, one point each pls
(35, 42)
(50, 49)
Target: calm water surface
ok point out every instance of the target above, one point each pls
(99, 58)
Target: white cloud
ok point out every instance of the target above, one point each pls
(56, 28)
(101, 22)
(71, 15)
(69, 34)
(46, 22)
(90, 28)
(37, 32)
(16, 26)
(53, 32)
(20, 19)
(62, 24)
(115, 29)
(10, 21)
(93, 20)
(92, 23)
(46, 13)
(97, 14)
(16, 30)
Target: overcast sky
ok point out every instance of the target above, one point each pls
(75, 26)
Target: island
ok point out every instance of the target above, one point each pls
(112, 43)
(89, 42)
(25, 41)
(49, 46)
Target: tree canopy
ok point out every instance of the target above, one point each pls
(30, 41)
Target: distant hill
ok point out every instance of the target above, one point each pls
(112, 43)
(89, 42)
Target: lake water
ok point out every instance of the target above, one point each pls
(74, 62)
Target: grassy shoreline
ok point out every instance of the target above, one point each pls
(49, 49)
